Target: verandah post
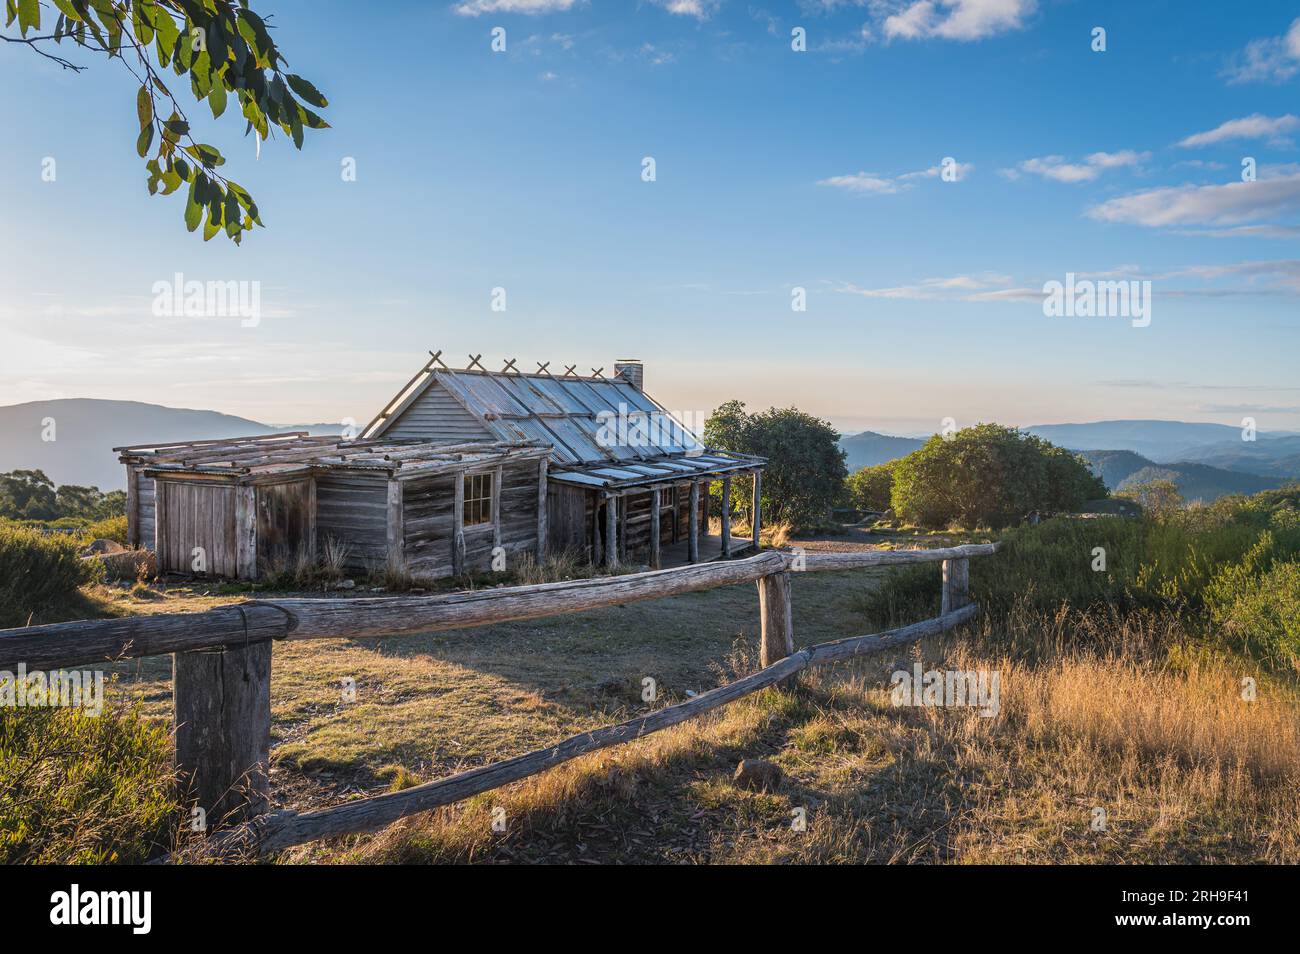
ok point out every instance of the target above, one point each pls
(777, 640)
(693, 533)
(221, 706)
(956, 585)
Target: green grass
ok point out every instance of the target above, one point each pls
(83, 789)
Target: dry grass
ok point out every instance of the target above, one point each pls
(775, 535)
(1119, 713)
(1184, 768)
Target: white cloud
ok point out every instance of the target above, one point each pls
(864, 182)
(870, 183)
(1231, 204)
(954, 19)
(700, 9)
(1255, 126)
(476, 8)
(1273, 59)
(1055, 167)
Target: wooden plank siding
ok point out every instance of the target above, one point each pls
(436, 414)
(352, 508)
(195, 514)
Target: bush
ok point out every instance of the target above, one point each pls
(805, 471)
(39, 573)
(870, 488)
(989, 476)
(111, 528)
(82, 789)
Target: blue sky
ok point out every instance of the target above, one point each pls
(775, 169)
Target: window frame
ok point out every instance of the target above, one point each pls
(481, 501)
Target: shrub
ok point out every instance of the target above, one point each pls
(805, 471)
(82, 789)
(870, 488)
(39, 573)
(989, 475)
(110, 528)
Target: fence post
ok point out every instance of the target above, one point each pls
(221, 702)
(956, 585)
(774, 614)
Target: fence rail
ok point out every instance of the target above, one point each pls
(221, 687)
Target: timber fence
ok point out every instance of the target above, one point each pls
(222, 673)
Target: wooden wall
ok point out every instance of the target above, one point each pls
(283, 522)
(140, 523)
(427, 519)
(436, 414)
(196, 514)
(353, 508)
(568, 516)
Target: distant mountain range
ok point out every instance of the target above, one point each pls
(1206, 461)
(86, 430)
(1124, 469)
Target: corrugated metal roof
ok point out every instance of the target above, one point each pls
(585, 419)
(589, 422)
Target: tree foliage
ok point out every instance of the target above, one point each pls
(989, 475)
(871, 487)
(805, 470)
(223, 49)
(1159, 497)
(31, 495)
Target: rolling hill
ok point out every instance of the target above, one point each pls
(86, 430)
(869, 449)
(1122, 469)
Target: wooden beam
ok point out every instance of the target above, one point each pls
(221, 703)
(496, 506)
(757, 505)
(726, 517)
(132, 507)
(65, 645)
(622, 528)
(774, 615)
(677, 515)
(956, 584)
(395, 530)
(655, 559)
(215, 440)
(542, 529)
(312, 547)
(693, 532)
(611, 532)
(458, 527)
(245, 530)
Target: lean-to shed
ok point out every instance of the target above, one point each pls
(427, 508)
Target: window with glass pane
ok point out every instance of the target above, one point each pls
(478, 499)
(666, 497)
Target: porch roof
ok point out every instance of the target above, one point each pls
(657, 471)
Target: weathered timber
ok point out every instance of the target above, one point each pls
(774, 615)
(956, 584)
(726, 517)
(222, 714)
(693, 532)
(817, 560)
(245, 531)
(65, 644)
(286, 829)
(655, 559)
(611, 532)
(395, 532)
(757, 506)
(542, 528)
(458, 527)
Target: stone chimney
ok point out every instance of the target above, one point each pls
(631, 371)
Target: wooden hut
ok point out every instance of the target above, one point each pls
(429, 509)
(627, 481)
